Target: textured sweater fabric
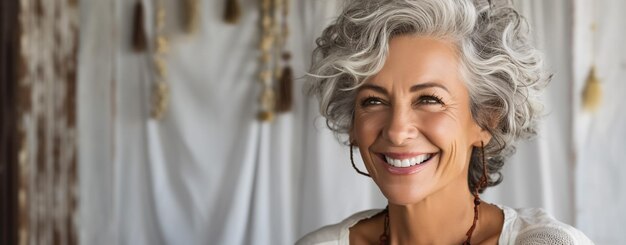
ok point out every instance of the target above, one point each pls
(521, 226)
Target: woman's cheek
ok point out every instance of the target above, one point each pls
(369, 124)
(440, 129)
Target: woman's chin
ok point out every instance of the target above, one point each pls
(408, 188)
(404, 195)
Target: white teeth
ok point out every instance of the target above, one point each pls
(420, 158)
(397, 162)
(407, 162)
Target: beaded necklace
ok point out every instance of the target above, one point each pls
(384, 238)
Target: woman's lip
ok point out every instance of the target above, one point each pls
(406, 170)
(402, 156)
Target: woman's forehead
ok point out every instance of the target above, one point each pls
(418, 60)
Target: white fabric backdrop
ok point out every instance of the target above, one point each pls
(600, 137)
(209, 173)
(540, 173)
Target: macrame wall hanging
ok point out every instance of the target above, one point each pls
(157, 47)
(44, 122)
(160, 91)
(275, 75)
(592, 93)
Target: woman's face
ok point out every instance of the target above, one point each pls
(412, 121)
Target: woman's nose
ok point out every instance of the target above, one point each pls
(401, 127)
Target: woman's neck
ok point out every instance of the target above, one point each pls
(442, 218)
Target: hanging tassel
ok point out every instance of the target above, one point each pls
(285, 93)
(592, 93)
(232, 12)
(265, 116)
(140, 40)
(285, 81)
(285, 88)
(192, 16)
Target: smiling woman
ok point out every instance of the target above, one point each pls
(407, 117)
(434, 94)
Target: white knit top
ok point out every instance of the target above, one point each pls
(521, 226)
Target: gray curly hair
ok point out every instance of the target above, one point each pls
(502, 70)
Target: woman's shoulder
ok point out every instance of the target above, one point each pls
(536, 226)
(336, 233)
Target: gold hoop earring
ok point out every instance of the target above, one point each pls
(354, 165)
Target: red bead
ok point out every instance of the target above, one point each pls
(384, 240)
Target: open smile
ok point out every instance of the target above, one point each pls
(405, 164)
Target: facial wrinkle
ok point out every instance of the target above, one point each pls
(449, 161)
(371, 160)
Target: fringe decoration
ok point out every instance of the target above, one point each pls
(160, 100)
(285, 88)
(592, 93)
(265, 116)
(140, 40)
(268, 100)
(192, 16)
(266, 44)
(160, 47)
(232, 12)
(285, 80)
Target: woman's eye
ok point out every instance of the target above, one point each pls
(371, 102)
(429, 100)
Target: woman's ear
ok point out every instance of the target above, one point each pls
(485, 136)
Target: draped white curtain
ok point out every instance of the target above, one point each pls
(209, 173)
(540, 174)
(600, 137)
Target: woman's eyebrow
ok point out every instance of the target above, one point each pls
(414, 88)
(421, 86)
(375, 88)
